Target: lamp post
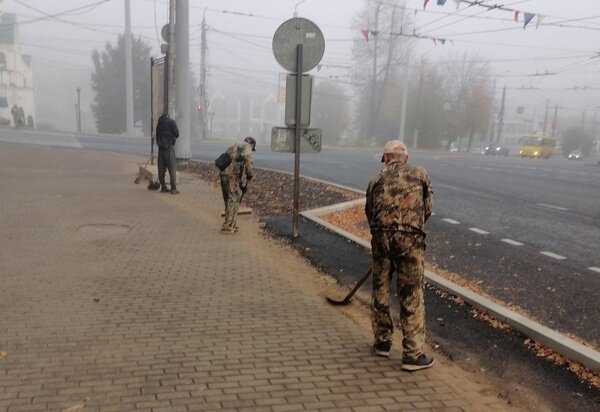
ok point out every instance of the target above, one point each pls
(78, 109)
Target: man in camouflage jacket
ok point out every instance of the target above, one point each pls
(232, 180)
(399, 202)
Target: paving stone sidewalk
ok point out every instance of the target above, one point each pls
(115, 298)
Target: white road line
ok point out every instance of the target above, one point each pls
(594, 269)
(564, 209)
(512, 242)
(481, 232)
(451, 221)
(553, 255)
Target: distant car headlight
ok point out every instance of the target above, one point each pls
(536, 153)
(520, 152)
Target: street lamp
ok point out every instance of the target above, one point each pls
(296, 6)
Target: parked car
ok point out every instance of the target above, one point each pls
(575, 155)
(495, 150)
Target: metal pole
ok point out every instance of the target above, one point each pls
(501, 116)
(299, 51)
(170, 62)
(128, 70)
(152, 110)
(182, 71)
(404, 96)
(79, 109)
(203, 85)
(554, 121)
(545, 118)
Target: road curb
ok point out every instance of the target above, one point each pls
(556, 341)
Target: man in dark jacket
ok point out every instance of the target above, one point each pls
(166, 134)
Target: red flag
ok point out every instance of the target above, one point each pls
(425, 3)
(516, 16)
(365, 33)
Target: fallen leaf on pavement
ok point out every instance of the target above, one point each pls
(79, 406)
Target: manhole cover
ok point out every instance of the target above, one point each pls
(104, 229)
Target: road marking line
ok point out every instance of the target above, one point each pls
(594, 269)
(564, 209)
(481, 232)
(451, 221)
(512, 242)
(553, 255)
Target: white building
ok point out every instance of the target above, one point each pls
(16, 74)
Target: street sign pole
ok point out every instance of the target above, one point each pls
(296, 207)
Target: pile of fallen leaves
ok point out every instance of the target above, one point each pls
(271, 193)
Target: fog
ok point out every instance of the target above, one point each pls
(553, 61)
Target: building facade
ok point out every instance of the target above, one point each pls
(16, 75)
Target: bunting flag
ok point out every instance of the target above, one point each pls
(366, 34)
(517, 16)
(443, 41)
(457, 3)
(425, 3)
(374, 33)
(539, 21)
(527, 17)
(434, 41)
(441, 2)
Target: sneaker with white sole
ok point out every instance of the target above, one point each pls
(423, 361)
(382, 349)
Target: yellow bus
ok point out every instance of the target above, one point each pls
(537, 147)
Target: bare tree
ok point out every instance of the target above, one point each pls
(467, 81)
(330, 110)
(376, 55)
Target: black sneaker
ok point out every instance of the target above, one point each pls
(382, 349)
(422, 362)
(174, 191)
(164, 189)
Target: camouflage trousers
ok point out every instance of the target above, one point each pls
(232, 196)
(403, 254)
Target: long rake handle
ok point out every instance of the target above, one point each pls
(358, 285)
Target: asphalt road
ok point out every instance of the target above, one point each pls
(525, 231)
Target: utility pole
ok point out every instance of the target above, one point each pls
(170, 91)
(181, 78)
(490, 129)
(404, 96)
(203, 86)
(545, 117)
(554, 121)
(418, 117)
(373, 113)
(128, 70)
(501, 115)
(78, 109)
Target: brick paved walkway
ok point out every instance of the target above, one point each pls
(115, 298)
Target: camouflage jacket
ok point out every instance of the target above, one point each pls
(241, 155)
(399, 198)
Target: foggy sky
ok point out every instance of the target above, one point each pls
(240, 38)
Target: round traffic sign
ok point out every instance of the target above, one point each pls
(289, 35)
